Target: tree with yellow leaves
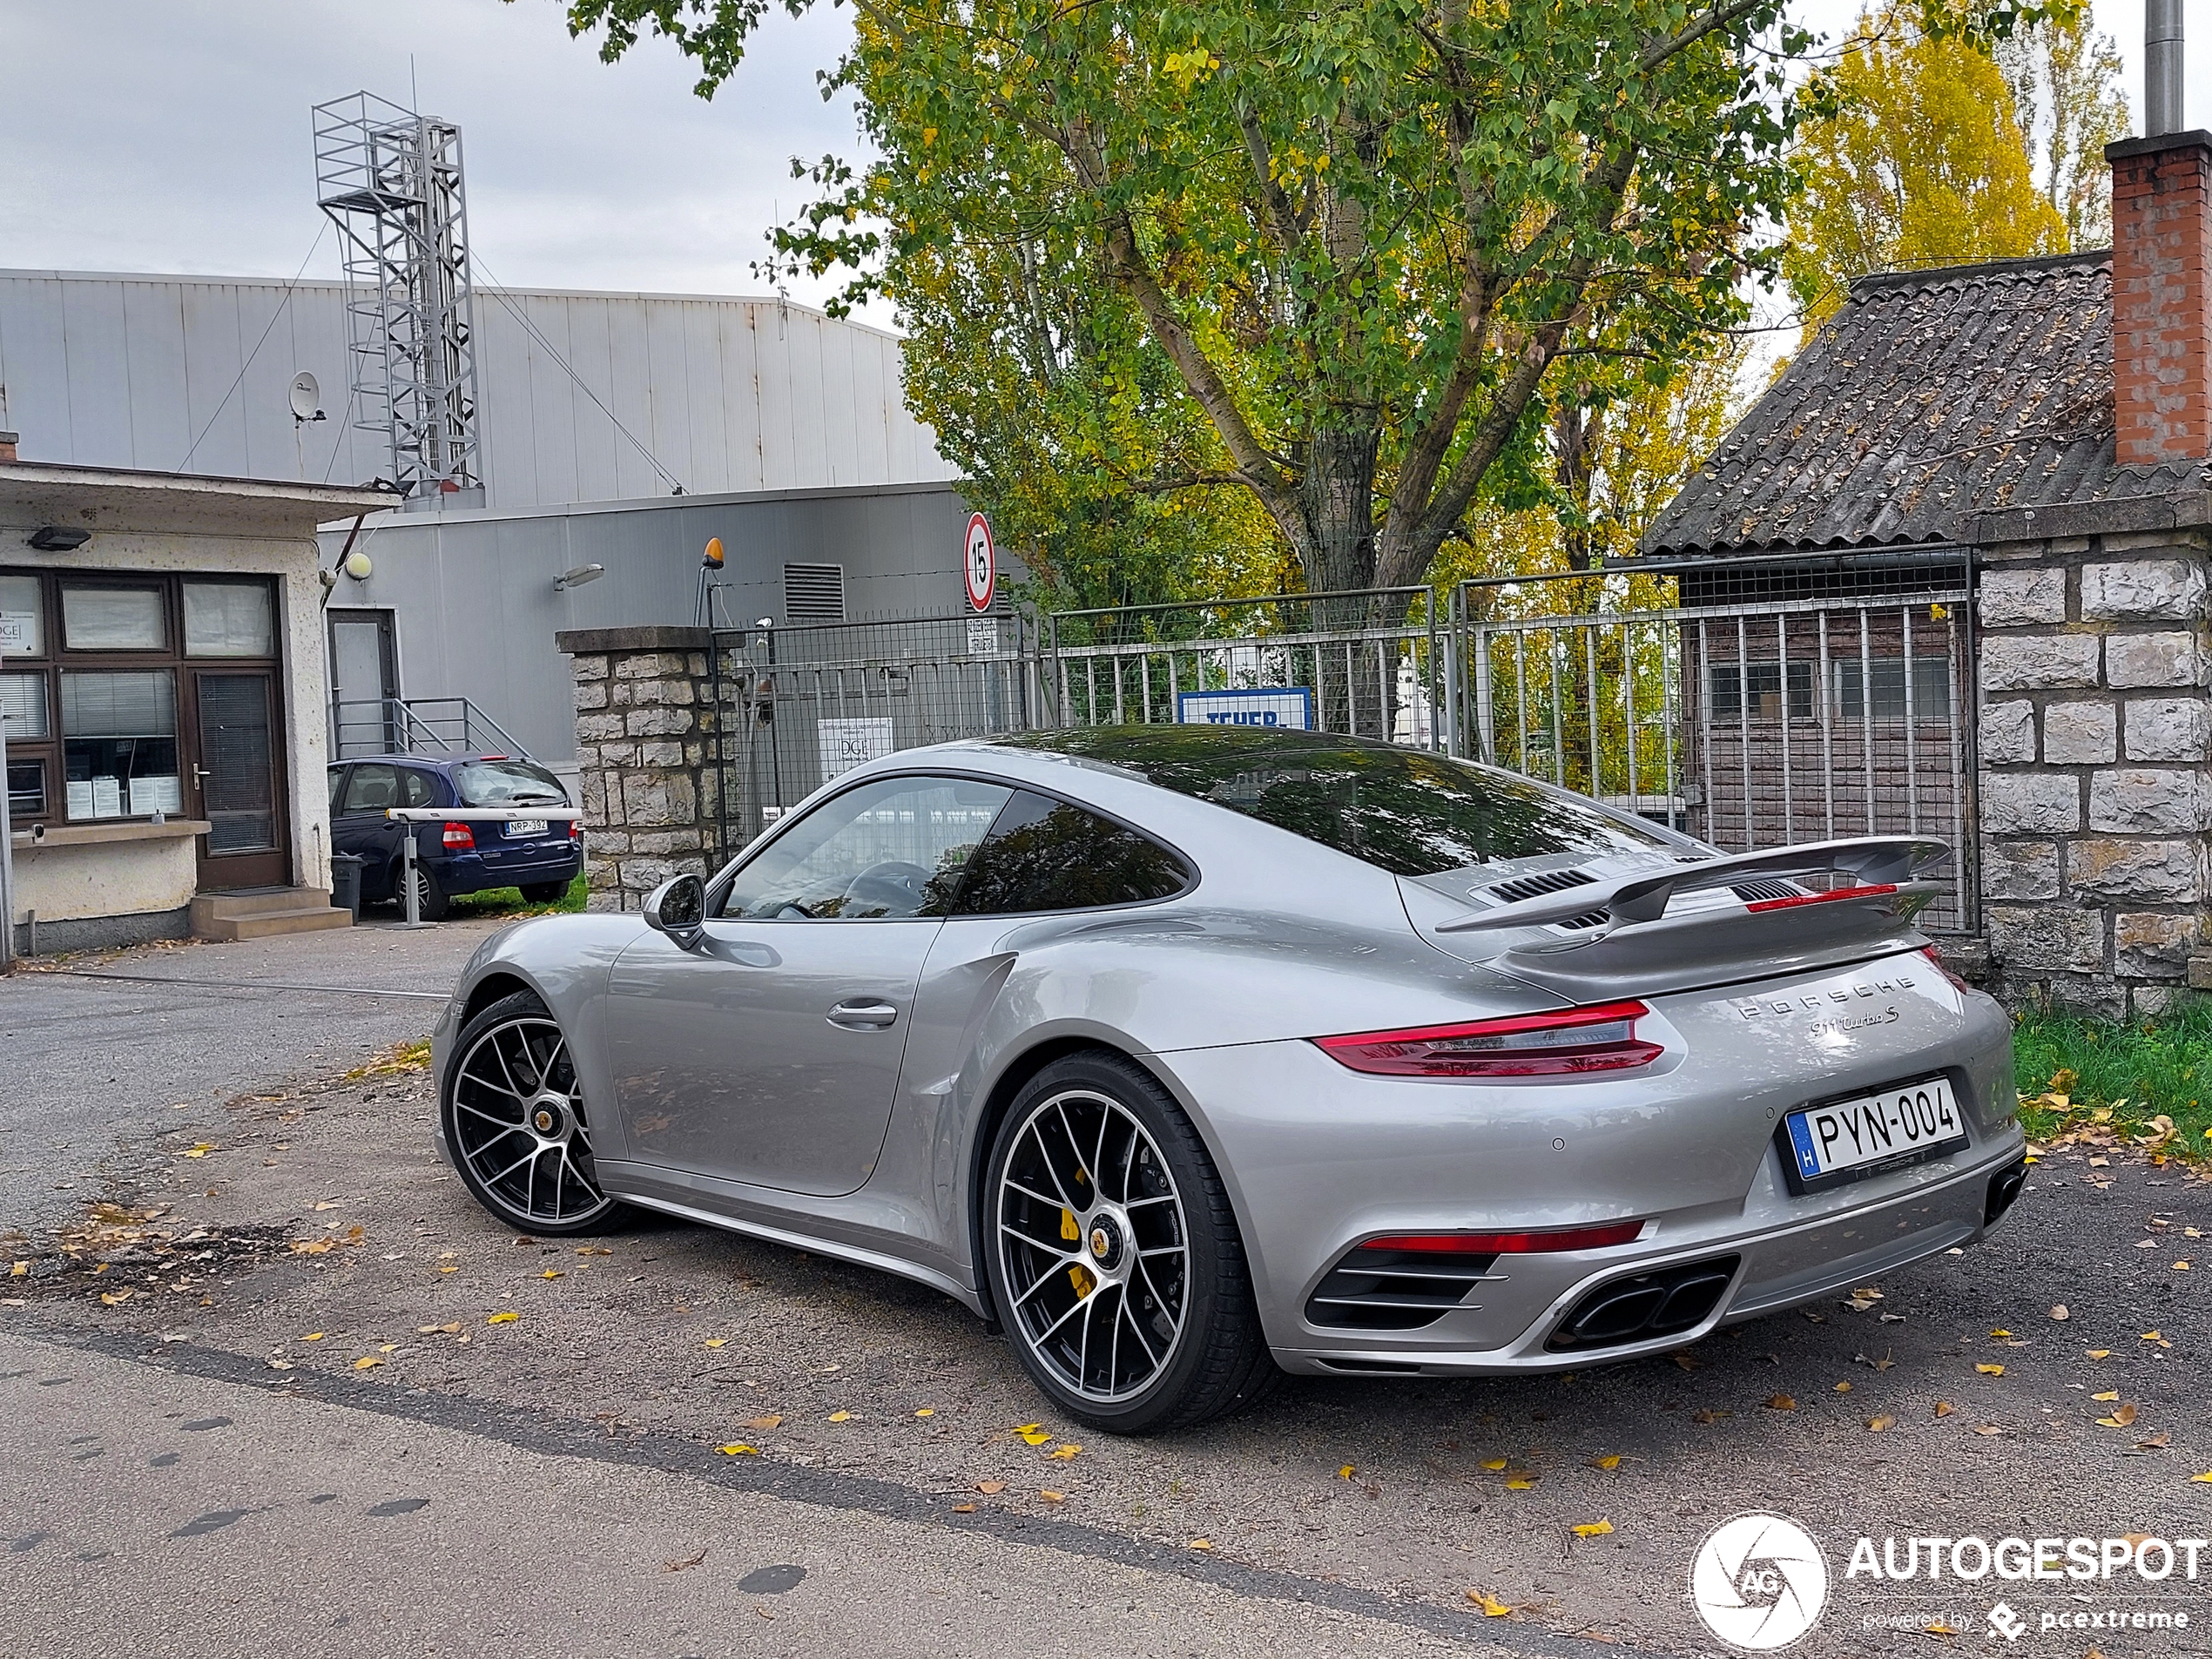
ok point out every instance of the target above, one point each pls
(1915, 158)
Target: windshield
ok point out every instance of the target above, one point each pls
(1406, 811)
(507, 783)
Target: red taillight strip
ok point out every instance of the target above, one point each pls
(1829, 897)
(1613, 1232)
(1429, 1050)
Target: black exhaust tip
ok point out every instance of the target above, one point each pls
(2004, 1192)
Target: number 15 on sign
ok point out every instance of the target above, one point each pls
(982, 564)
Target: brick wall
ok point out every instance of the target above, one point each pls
(644, 729)
(2095, 766)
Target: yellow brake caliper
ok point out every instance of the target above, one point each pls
(1078, 1275)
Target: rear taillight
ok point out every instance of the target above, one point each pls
(1602, 1038)
(1935, 955)
(575, 829)
(460, 838)
(1612, 1232)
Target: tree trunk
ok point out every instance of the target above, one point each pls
(1336, 498)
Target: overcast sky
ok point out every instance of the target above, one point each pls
(174, 135)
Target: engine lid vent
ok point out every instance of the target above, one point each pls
(1533, 887)
(1765, 892)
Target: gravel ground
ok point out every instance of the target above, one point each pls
(1422, 1491)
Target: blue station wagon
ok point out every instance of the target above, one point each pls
(540, 856)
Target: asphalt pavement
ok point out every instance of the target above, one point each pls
(293, 1256)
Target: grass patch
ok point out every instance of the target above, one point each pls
(509, 901)
(2095, 1082)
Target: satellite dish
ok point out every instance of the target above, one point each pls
(306, 397)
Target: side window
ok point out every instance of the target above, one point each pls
(1045, 854)
(337, 777)
(889, 849)
(417, 788)
(370, 788)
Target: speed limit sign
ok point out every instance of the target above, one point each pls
(981, 565)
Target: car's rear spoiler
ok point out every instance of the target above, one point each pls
(1887, 867)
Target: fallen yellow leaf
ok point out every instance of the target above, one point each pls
(114, 1298)
(1610, 1461)
(2100, 1353)
(387, 1348)
(990, 1486)
(1050, 1496)
(963, 1508)
(1943, 1409)
(2206, 1478)
(1035, 1437)
(2153, 1336)
(769, 1421)
(1520, 1482)
(840, 1417)
(717, 1342)
(1594, 1529)
(366, 1361)
(1345, 1473)
(1063, 1454)
(448, 1268)
(926, 1410)
(503, 1318)
(199, 1152)
(551, 1272)
(1491, 1606)
(2123, 1416)
(1494, 1463)
(1940, 1628)
(1988, 1428)
(738, 1448)
(1782, 1403)
(21, 1270)
(1991, 1371)
(1202, 1543)
(2001, 1333)
(313, 1336)
(1878, 1424)
(1842, 1388)
(2110, 1394)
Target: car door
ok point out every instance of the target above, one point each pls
(769, 1054)
(358, 825)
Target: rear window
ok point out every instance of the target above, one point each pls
(1406, 811)
(507, 783)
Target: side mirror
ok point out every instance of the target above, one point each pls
(678, 908)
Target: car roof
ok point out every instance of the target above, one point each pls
(435, 760)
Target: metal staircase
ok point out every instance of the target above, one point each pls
(416, 725)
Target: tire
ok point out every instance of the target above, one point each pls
(431, 901)
(544, 891)
(515, 1124)
(1147, 1265)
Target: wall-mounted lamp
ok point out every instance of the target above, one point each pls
(357, 565)
(56, 538)
(578, 576)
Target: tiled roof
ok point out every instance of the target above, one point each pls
(1930, 395)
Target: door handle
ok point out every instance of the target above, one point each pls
(858, 1015)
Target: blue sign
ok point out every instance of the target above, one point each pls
(1286, 707)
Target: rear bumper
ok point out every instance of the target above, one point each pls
(1319, 1158)
(475, 872)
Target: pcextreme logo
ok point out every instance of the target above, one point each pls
(1759, 1582)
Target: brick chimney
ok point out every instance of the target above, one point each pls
(7, 441)
(2161, 296)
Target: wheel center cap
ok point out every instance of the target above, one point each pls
(1105, 1241)
(546, 1118)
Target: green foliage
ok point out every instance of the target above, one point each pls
(2134, 1073)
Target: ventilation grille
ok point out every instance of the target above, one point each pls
(1394, 1290)
(814, 593)
(1763, 892)
(1533, 887)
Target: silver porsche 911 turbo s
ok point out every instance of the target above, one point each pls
(1190, 1056)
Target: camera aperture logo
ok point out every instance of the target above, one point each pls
(1759, 1582)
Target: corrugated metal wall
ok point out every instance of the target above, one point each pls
(728, 395)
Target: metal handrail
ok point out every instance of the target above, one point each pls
(409, 725)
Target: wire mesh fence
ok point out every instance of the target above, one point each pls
(800, 705)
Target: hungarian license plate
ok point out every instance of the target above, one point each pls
(1844, 1140)
(519, 827)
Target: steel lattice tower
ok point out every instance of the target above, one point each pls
(390, 180)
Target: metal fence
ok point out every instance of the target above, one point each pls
(1751, 703)
(799, 706)
(1369, 664)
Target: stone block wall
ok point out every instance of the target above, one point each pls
(2095, 766)
(645, 728)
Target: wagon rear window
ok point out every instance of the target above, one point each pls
(1408, 810)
